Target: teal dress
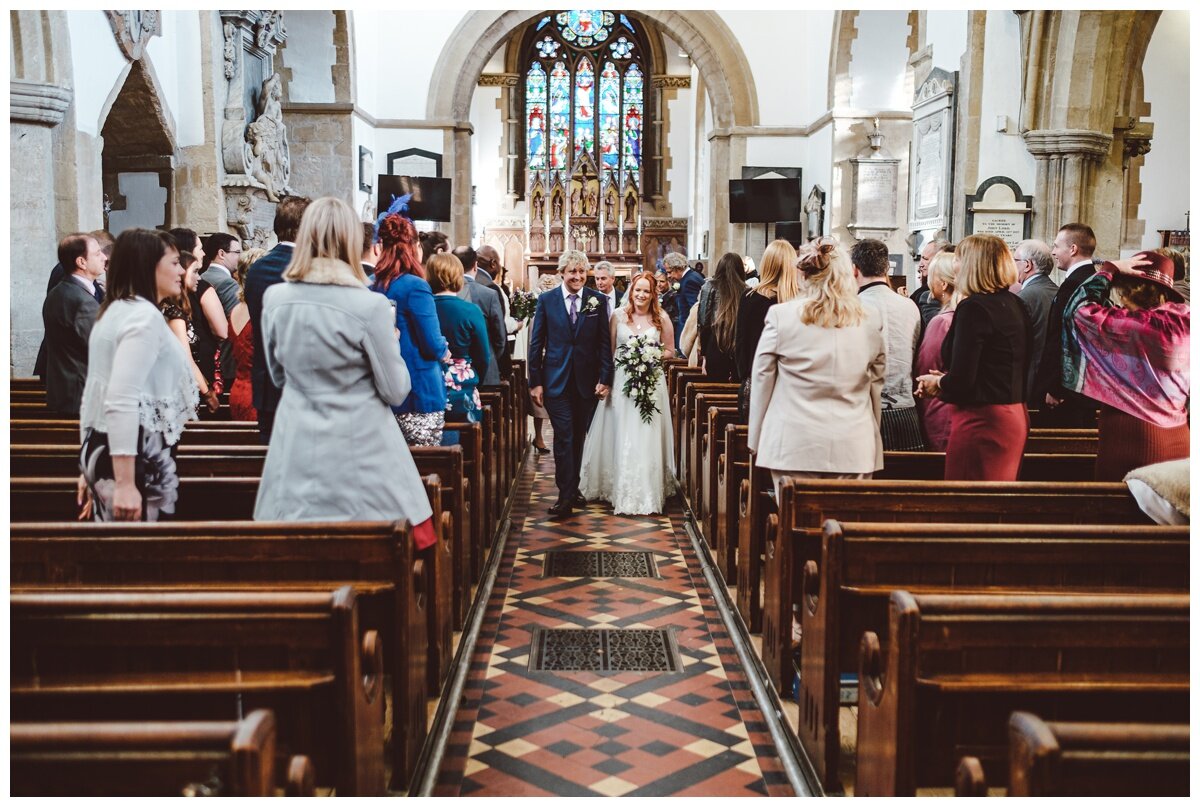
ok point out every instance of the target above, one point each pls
(465, 331)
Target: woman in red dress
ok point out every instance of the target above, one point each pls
(241, 395)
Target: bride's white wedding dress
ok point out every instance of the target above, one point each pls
(626, 461)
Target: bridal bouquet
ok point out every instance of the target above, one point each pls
(641, 359)
(523, 305)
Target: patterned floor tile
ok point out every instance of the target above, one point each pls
(523, 732)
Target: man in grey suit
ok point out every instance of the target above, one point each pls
(477, 291)
(223, 251)
(68, 315)
(1034, 265)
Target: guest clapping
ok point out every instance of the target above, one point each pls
(335, 452)
(986, 352)
(818, 376)
(1133, 359)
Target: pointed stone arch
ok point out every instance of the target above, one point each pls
(703, 35)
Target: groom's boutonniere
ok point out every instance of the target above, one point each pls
(674, 287)
(591, 305)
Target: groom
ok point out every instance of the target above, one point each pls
(570, 369)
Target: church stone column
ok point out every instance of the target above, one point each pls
(1067, 163)
(35, 108)
(457, 142)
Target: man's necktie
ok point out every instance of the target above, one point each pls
(574, 298)
(99, 293)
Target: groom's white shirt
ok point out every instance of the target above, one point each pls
(566, 293)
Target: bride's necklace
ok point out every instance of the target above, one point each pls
(636, 322)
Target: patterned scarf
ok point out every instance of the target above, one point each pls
(1134, 361)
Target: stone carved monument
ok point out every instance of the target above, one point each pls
(875, 178)
(931, 158)
(134, 29)
(254, 145)
(999, 208)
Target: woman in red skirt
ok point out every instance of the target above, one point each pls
(986, 353)
(1127, 340)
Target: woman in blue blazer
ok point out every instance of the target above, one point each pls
(400, 277)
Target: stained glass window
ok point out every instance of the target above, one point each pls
(560, 115)
(584, 92)
(632, 120)
(535, 103)
(585, 106)
(610, 116)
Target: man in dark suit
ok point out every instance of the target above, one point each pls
(687, 283)
(262, 274)
(105, 240)
(68, 315)
(570, 369)
(1034, 265)
(923, 297)
(1059, 407)
(222, 252)
(484, 294)
(603, 273)
(372, 249)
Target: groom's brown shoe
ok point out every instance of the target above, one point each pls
(560, 509)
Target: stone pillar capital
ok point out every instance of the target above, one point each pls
(37, 102)
(1068, 142)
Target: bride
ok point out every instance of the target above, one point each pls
(627, 461)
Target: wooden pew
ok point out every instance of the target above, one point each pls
(733, 468)
(692, 388)
(46, 499)
(377, 558)
(29, 406)
(1087, 759)
(957, 666)
(846, 592)
(66, 432)
(794, 534)
(470, 438)
(697, 426)
(447, 463)
(677, 377)
(1050, 467)
(204, 656)
(232, 758)
(712, 448)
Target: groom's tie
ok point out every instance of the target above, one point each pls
(574, 298)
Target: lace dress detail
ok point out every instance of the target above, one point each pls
(626, 461)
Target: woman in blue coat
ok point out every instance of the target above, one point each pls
(400, 277)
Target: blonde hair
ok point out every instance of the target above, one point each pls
(828, 283)
(329, 229)
(777, 272)
(445, 272)
(941, 266)
(984, 265)
(249, 256)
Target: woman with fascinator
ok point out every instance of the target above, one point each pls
(1126, 337)
(400, 277)
(817, 376)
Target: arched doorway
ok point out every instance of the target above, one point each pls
(138, 160)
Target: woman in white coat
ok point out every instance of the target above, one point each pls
(818, 375)
(336, 452)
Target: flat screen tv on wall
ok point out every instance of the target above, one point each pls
(431, 196)
(757, 201)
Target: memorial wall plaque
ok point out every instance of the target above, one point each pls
(999, 208)
(874, 199)
(414, 163)
(931, 155)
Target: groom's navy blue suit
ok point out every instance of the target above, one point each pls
(568, 361)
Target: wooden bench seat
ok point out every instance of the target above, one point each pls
(697, 432)
(956, 666)
(712, 448)
(80, 657)
(230, 758)
(1087, 759)
(846, 592)
(376, 558)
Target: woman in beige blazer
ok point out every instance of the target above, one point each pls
(818, 375)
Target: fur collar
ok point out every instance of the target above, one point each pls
(331, 272)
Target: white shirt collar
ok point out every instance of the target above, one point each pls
(220, 267)
(90, 285)
(566, 293)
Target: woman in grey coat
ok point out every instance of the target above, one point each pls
(336, 452)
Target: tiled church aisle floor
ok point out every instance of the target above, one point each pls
(582, 724)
